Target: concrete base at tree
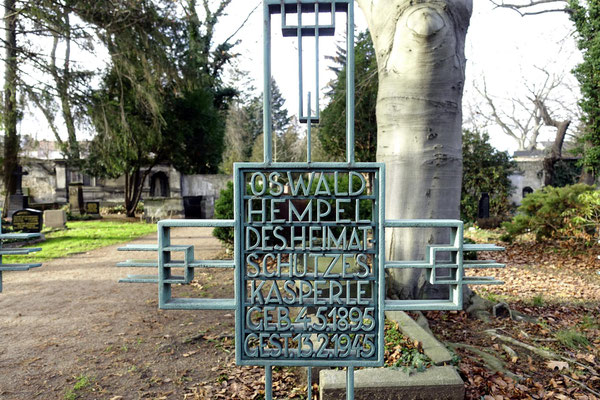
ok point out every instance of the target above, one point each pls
(439, 383)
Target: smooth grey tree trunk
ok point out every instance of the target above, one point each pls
(421, 62)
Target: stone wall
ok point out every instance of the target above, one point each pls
(200, 193)
(204, 185)
(40, 183)
(156, 209)
(531, 175)
(47, 181)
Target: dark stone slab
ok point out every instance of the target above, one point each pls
(27, 220)
(92, 207)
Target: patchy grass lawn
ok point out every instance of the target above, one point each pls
(83, 236)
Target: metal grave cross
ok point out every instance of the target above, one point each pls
(309, 258)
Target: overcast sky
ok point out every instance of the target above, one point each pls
(501, 47)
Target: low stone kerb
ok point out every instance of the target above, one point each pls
(432, 348)
(441, 383)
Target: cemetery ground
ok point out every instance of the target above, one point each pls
(70, 331)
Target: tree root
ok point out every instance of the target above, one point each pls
(549, 355)
(492, 362)
(536, 350)
(583, 386)
(479, 308)
(509, 351)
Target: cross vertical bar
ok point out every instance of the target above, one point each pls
(350, 85)
(309, 383)
(239, 290)
(268, 382)
(379, 183)
(308, 132)
(317, 61)
(350, 383)
(300, 70)
(164, 273)
(267, 127)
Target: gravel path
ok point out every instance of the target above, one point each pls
(70, 321)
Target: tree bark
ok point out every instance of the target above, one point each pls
(555, 152)
(11, 138)
(587, 175)
(421, 62)
(63, 86)
(134, 185)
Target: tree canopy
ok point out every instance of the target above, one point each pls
(586, 16)
(485, 170)
(162, 69)
(244, 130)
(332, 127)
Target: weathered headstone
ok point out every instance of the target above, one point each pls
(55, 219)
(27, 220)
(76, 198)
(483, 210)
(18, 201)
(92, 207)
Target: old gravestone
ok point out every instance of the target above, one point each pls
(92, 207)
(55, 219)
(18, 201)
(483, 209)
(76, 198)
(27, 220)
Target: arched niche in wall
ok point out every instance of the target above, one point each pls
(159, 185)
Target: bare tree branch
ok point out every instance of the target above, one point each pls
(495, 114)
(534, 7)
(243, 23)
(523, 118)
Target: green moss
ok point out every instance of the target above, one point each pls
(401, 352)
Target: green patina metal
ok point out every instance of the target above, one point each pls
(309, 259)
(4, 251)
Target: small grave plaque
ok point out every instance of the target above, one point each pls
(27, 220)
(92, 207)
